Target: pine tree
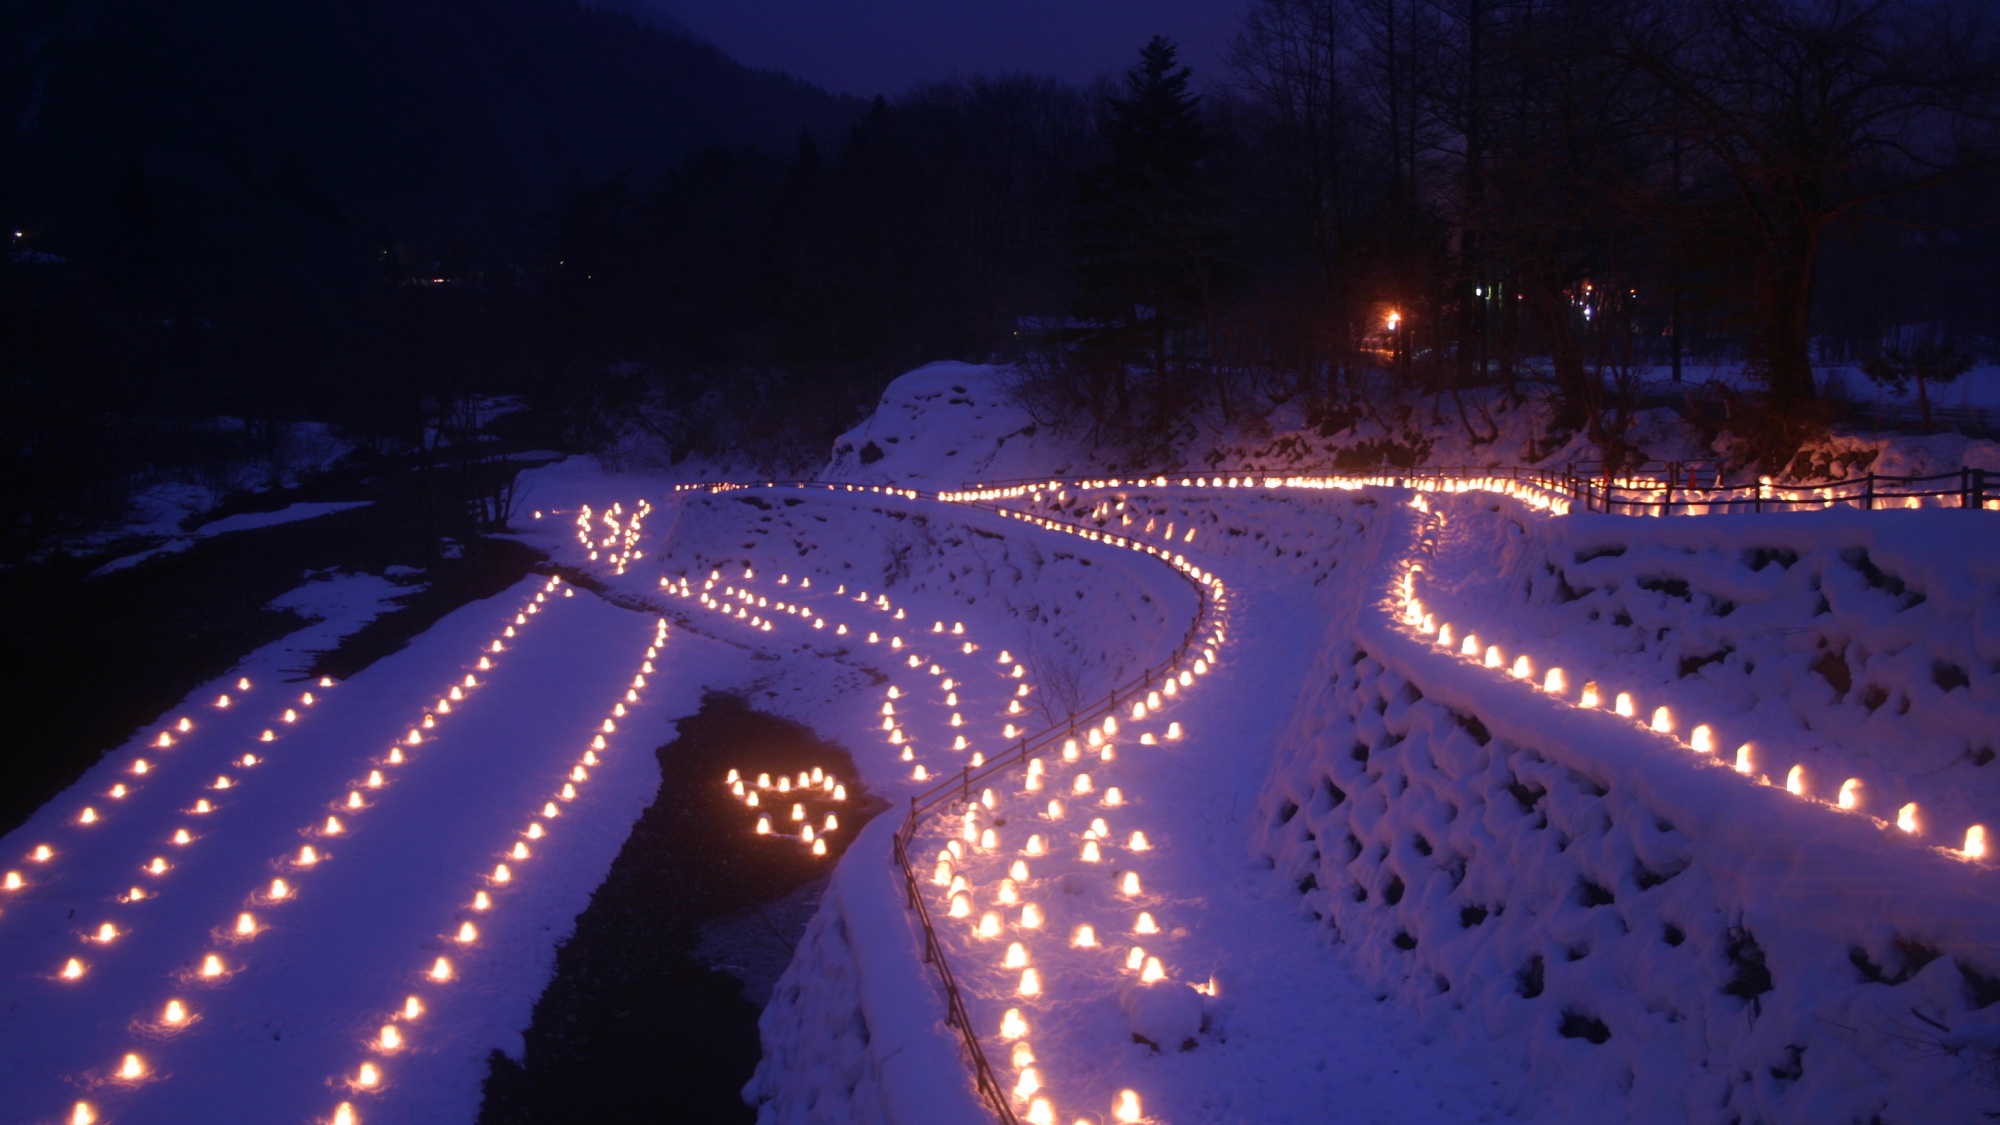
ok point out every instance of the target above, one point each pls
(1147, 242)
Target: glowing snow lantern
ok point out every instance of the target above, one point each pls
(1017, 956)
(1034, 845)
(1135, 959)
(1012, 1026)
(158, 866)
(989, 925)
(1795, 781)
(72, 969)
(118, 791)
(1126, 1108)
(467, 933)
(391, 1039)
(1522, 668)
(141, 766)
(1028, 1083)
(1031, 916)
(1492, 655)
(246, 925)
(1130, 884)
(1663, 720)
(1553, 682)
(89, 816)
(1623, 705)
(175, 1014)
(184, 726)
(961, 906)
(1081, 785)
(520, 849)
(1040, 1112)
(1470, 647)
(333, 826)
(1031, 983)
(1145, 924)
(1744, 763)
(12, 881)
(1975, 842)
(1090, 851)
(82, 1114)
(211, 966)
(368, 1077)
(222, 701)
(1153, 971)
(354, 799)
(1702, 740)
(395, 755)
(279, 891)
(107, 933)
(1850, 793)
(1589, 698)
(501, 873)
(1906, 817)
(763, 826)
(441, 971)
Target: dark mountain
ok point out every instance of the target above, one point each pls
(649, 12)
(420, 125)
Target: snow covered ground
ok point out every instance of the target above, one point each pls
(1366, 874)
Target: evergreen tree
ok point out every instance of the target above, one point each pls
(1147, 245)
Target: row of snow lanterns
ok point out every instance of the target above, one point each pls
(1528, 491)
(1028, 1088)
(141, 767)
(975, 839)
(176, 1015)
(393, 1037)
(1700, 738)
(107, 932)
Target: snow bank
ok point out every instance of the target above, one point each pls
(855, 1031)
(1651, 939)
(945, 424)
(1854, 644)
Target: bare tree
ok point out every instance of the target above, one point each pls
(1817, 113)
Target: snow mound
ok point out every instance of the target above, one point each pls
(1166, 1014)
(942, 424)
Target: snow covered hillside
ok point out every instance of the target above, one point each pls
(1305, 799)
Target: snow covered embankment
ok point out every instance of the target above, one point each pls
(1647, 933)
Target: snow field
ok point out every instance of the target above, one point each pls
(273, 1005)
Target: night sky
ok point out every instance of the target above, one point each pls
(872, 47)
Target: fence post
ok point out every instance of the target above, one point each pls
(1965, 487)
(1979, 489)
